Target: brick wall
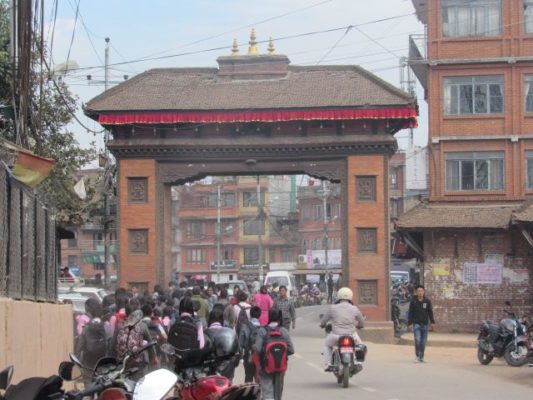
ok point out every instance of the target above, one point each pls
(461, 307)
(368, 267)
(137, 267)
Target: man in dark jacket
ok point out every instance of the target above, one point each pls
(421, 317)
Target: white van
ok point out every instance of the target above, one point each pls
(283, 278)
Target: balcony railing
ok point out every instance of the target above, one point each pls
(418, 46)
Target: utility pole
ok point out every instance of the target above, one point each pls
(325, 207)
(259, 236)
(218, 232)
(107, 169)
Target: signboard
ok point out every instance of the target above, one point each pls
(282, 266)
(482, 273)
(518, 276)
(440, 268)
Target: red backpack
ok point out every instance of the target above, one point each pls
(275, 352)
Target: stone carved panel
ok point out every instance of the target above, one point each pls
(138, 241)
(138, 190)
(367, 240)
(368, 292)
(365, 188)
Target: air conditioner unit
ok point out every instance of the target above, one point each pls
(302, 259)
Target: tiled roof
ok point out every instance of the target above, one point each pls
(459, 216)
(202, 89)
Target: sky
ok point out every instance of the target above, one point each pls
(193, 33)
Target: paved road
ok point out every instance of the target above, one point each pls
(390, 372)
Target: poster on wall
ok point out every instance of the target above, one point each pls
(494, 259)
(520, 275)
(317, 258)
(482, 273)
(440, 268)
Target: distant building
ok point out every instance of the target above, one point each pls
(251, 235)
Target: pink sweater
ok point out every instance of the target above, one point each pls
(265, 303)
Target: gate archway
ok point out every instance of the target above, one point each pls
(255, 115)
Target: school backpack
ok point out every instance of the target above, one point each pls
(275, 353)
(183, 335)
(129, 338)
(251, 340)
(95, 339)
(242, 319)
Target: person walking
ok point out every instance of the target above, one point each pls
(286, 306)
(273, 337)
(265, 303)
(247, 337)
(421, 318)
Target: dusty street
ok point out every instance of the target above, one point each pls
(390, 372)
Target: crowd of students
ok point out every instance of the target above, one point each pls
(259, 320)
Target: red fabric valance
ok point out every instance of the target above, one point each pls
(408, 113)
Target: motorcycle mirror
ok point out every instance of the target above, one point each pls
(69, 371)
(5, 377)
(168, 349)
(75, 360)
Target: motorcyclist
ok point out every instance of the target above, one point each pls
(345, 318)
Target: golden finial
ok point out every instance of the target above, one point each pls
(235, 48)
(252, 50)
(271, 48)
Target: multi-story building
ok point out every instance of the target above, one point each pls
(252, 235)
(476, 67)
(84, 253)
(320, 228)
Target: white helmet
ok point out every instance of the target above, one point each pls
(345, 293)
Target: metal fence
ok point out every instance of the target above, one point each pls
(27, 243)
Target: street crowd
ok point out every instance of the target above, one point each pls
(105, 329)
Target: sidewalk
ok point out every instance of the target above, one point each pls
(466, 340)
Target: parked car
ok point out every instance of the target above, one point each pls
(76, 299)
(94, 292)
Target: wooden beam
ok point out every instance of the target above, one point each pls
(411, 242)
(526, 235)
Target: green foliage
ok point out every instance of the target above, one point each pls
(48, 133)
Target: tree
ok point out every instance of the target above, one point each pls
(48, 135)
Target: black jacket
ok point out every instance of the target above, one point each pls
(420, 312)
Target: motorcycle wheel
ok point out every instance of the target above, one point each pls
(339, 378)
(483, 357)
(516, 357)
(345, 376)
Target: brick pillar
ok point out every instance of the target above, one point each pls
(137, 225)
(368, 233)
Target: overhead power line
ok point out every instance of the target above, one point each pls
(289, 37)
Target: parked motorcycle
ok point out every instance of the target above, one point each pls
(399, 316)
(347, 358)
(505, 339)
(201, 379)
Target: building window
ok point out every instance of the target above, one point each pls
(287, 255)
(471, 18)
(72, 261)
(317, 244)
(465, 95)
(305, 245)
(394, 208)
(367, 240)
(249, 199)
(251, 255)
(394, 178)
(529, 166)
(196, 256)
(528, 16)
(338, 211)
(368, 292)
(528, 92)
(72, 243)
(474, 171)
(306, 213)
(195, 229)
(226, 200)
(317, 212)
(272, 254)
(253, 227)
